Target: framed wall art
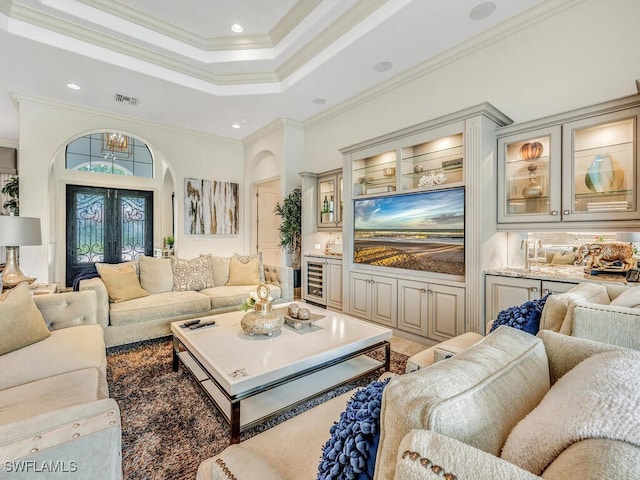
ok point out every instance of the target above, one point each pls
(210, 207)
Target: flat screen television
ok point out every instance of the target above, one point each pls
(416, 231)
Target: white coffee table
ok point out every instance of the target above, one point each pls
(251, 378)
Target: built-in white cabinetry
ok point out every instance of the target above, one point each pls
(330, 203)
(430, 310)
(503, 292)
(572, 168)
(322, 281)
(439, 288)
(374, 297)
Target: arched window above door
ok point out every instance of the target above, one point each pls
(111, 153)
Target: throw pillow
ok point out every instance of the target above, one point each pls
(122, 283)
(556, 307)
(116, 266)
(21, 322)
(630, 298)
(351, 450)
(191, 275)
(596, 399)
(250, 258)
(525, 317)
(244, 271)
(156, 274)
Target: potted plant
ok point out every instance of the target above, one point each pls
(291, 229)
(169, 241)
(12, 189)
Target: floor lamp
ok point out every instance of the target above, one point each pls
(16, 232)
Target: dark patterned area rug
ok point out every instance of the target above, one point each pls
(169, 425)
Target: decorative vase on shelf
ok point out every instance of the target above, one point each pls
(262, 320)
(531, 150)
(532, 189)
(604, 174)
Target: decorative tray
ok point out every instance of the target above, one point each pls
(297, 323)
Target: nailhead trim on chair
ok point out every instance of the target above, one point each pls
(426, 463)
(225, 469)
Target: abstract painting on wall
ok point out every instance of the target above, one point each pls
(210, 207)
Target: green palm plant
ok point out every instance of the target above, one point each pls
(12, 189)
(291, 226)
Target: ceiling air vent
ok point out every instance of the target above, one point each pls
(124, 99)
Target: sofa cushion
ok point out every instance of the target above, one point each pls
(66, 350)
(525, 317)
(49, 394)
(228, 296)
(351, 450)
(454, 397)
(556, 306)
(191, 275)
(21, 322)
(630, 298)
(244, 271)
(160, 305)
(156, 274)
(597, 399)
(122, 283)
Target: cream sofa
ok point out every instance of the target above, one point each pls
(454, 418)
(56, 418)
(588, 310)
(150, 317)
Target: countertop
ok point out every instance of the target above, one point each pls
(560, 273)
(322, 255)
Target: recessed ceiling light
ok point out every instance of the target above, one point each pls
(73, 86)
(237, 28)
(235, 125)
(383, 66)
(319, 101)
(482, 10)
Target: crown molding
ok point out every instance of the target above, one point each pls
(292, 19)
(5, 7)
(8, 142)
(356, 14)
(269, 128)
(532, 16)
(118, 117)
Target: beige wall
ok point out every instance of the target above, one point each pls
(45, 129)
(577, 57)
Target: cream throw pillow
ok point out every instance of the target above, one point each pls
(122, 283)
(156, 274)
(244, 273)
(556, 308)
(21, 322)
(630, 298)
(597, 399)
(191, 275)
(116, 266)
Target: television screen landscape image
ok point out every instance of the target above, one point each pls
(418, 231)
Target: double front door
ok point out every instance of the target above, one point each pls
(106, 225)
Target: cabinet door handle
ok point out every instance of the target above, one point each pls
(534, 289)
(423, 290)
(554, 212)
(566, 212)
(546, 290)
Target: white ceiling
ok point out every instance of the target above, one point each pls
(186, 67)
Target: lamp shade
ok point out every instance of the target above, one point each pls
(19, 231)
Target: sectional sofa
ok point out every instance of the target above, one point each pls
(56, 418)
(176, 289)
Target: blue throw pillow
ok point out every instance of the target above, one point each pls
(524, 317)
(350, 453)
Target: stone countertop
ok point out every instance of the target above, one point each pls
(558, 273)
(322, 255)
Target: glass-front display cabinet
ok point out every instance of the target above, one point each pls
(434, 163)
(330, 202)
(375, 174)
(600, 167)
(529, 176)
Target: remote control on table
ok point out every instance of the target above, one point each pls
(190, 323)
(204, 324)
